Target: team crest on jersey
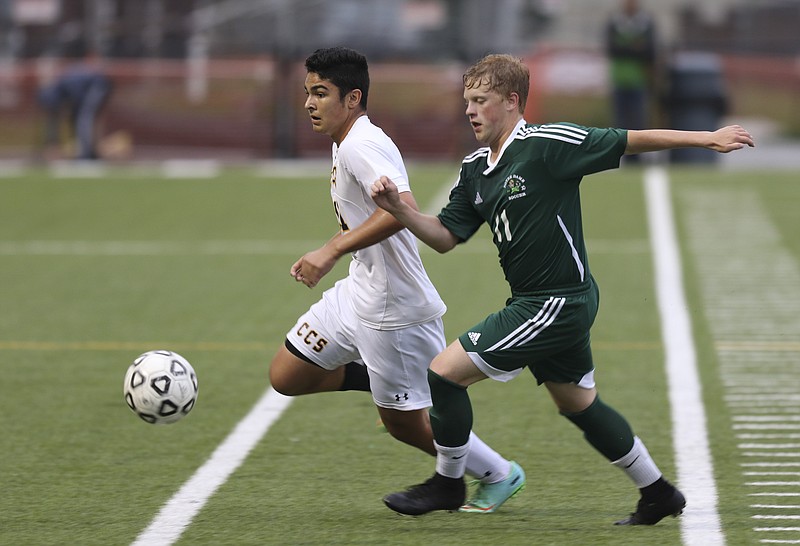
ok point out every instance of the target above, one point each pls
(515, 186)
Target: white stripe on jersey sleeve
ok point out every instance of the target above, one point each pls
(565, 133)
(477, 154)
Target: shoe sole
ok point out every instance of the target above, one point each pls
(415, 513)
(470, 509)
(629, 521)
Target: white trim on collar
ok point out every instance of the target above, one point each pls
(508, 141)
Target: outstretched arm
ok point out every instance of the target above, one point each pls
(425, 227)
(724, 140)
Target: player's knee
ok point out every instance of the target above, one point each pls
(284, 378)
(410, 427)
(281, 381)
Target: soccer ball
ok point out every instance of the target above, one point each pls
(160, 387)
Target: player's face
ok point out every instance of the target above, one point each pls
(328, 111)
(489, 114)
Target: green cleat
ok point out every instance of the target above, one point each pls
(491, 496)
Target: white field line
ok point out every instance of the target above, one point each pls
(246, 247)
(179, 511)
(153, 248)
(700, 524)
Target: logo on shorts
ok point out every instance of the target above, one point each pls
(400, 397)
(474, 337)
(478, 198)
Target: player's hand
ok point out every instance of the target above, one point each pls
(732, 137)
(385, 194)
(314, 265)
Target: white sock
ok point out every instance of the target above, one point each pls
(484, 463)
(638, 465)
(451, 461)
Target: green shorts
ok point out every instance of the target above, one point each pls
(547, 331)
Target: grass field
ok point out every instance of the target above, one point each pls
(94, 271)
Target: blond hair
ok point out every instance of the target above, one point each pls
(504, 74)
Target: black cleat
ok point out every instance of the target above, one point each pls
(438, 493)
(650, 513)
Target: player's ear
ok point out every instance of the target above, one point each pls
(512, 102)
(354, 98)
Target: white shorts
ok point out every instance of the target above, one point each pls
(330, 335)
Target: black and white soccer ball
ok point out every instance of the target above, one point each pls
(160, 387)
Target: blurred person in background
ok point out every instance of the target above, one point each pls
(630, 43)
(81, 92)
(378, 328)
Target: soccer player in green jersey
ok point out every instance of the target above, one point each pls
(525, 185)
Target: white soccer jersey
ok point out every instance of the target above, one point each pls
(389, 285)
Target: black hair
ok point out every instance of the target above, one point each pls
(345, 68)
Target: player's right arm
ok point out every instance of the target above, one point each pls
(425, 227)
(724, 140)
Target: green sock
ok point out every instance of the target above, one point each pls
(451, 414)
(605, 429)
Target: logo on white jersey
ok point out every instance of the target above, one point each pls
(478, 198)
(474, 337)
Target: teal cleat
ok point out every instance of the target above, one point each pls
(491, 496)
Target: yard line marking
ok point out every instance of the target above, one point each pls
(178, 512)
(152, 248)
(701, 524)
(791, 436)
(766, 494)
(766, 418)
(754, 326)
(768, 455)
(237, 247)
(767, 465)
(768, 446)
(10, 345)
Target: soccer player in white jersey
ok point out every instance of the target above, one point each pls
(525, 184)
(378, 328)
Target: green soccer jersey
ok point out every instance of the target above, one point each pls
(530, 198)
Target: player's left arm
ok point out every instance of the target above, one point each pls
(724, 140)
(379, 226)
